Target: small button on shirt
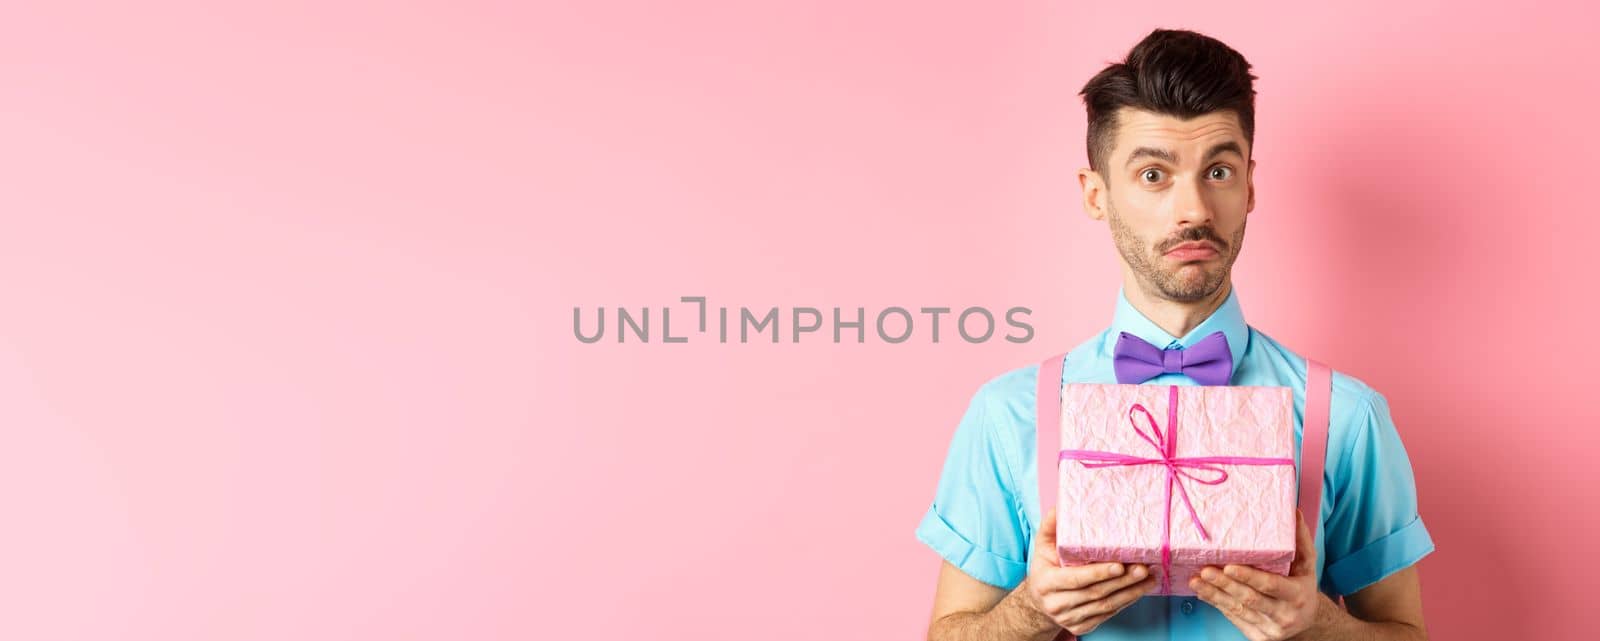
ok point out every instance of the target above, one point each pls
(986, 510)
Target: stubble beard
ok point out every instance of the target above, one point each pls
(1145, 259)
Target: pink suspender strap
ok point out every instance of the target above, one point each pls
(1314, 441)
(1048, 408)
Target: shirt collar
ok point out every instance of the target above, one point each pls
(1228, 319)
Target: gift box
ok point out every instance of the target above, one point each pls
(1177, 478)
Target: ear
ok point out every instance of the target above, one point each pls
(1094, 193)
(1250, 181)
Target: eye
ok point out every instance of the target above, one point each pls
(1221, 172)
(1151, 176)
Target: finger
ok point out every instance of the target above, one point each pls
(1085, 617)
(1267, 583)
(1227, 603)
(1078, 577)
(1245, 595)
(1068, 599)
(1115, 601)
(1087, 626)
(1131, 574)
(1044, 542)
(1240, 618)
(1305, 548)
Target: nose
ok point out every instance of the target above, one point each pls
(1192, 206)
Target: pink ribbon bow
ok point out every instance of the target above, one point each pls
(1167, 445)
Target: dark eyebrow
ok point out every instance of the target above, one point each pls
(1154, 152)
(1151, 152)
(1223, 147)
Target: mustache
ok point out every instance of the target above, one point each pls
(1193, 234)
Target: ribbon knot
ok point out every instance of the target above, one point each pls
(1166, 445)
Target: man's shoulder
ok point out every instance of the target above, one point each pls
(1009, 393)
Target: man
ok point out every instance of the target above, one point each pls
(1170, 136)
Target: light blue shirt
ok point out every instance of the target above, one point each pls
(986, 508)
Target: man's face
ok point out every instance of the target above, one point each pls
(1176, 195)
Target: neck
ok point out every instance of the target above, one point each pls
(1176, 317)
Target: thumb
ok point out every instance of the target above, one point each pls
(1044, 544)
(1305, 547)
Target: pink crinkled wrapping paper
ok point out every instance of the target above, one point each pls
(1115, 513)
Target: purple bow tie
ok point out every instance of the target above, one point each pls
(1208, 362)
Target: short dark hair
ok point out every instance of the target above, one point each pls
(1174, 72)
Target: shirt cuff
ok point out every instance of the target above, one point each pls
(977, 562)
(1381, 558)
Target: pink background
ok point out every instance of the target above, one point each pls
(286, 346)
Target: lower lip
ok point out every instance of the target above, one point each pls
(1193, 253)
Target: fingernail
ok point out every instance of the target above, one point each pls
(1137, 571)
(1116, 570)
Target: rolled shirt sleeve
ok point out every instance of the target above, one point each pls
(1374, 529)
(974, 521)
